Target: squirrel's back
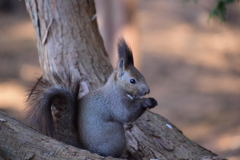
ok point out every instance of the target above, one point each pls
(100, 131)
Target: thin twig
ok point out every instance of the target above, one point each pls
(46, 32)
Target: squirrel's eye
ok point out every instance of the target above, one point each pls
(133, 81)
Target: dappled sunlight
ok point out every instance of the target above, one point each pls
(18, 62)
(27, 72)
(205, 49)
(219, 84)
(192, 65)
(229, 142)
(12, 96)
(20, 31)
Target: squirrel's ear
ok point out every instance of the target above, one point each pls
(125, 53)
(121, 67)
(121, 64)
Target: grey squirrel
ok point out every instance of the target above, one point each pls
(95, 121)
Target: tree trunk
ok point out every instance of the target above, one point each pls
(69, 42)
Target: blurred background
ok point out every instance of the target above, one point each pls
(191, 62)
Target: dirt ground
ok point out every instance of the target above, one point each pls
(191, 63)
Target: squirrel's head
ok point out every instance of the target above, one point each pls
(128, 77)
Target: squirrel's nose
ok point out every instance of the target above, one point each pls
(145, 90)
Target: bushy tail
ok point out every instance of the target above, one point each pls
(52, 108)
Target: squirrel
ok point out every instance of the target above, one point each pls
(96, 121)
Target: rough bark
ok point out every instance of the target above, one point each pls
(17, 141)
(154, 137)
(68, 41)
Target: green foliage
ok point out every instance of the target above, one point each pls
(219, 10)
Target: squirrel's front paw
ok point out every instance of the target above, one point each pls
(150, 103)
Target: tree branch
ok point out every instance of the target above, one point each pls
(17, 141)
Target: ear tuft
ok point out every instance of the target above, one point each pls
(121, 64)
(124, 52)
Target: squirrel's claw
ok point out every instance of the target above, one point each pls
(150, 103)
